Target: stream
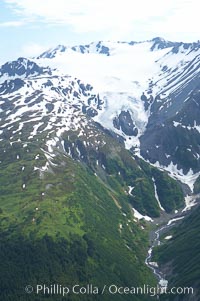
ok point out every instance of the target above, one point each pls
(156, 242)
(170, 221)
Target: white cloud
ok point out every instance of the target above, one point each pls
(32, 50)
(12, 24)
(115, 17)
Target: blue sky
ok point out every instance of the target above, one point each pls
(28, 27)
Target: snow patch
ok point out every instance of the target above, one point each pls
(130, 189)
(174, 220)
(190, 201)
(189, 178)
(156, 195)
(140, 216)
(168, 237)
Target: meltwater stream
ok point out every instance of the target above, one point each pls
(162, 282)
(172, 220)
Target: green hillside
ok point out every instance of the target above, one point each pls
(73, 223)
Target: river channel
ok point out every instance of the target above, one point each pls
(164, 223)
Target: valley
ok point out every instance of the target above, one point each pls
(163, 224)
(100, 146)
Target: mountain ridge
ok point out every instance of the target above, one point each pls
(134, 103)
(158, 43)
(93, 146)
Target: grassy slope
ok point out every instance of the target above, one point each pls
(64, 227)
(69, 226)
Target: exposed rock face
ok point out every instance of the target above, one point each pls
(125, 123)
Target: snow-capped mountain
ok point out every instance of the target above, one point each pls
(146, 88)
(85, 134)
(39, 101)
(145, 93)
